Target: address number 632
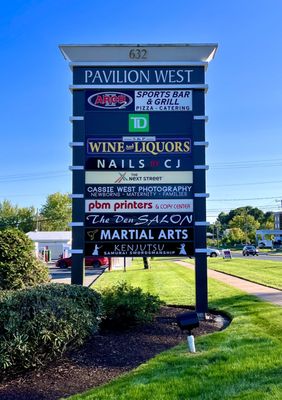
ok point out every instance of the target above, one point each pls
(138, 54)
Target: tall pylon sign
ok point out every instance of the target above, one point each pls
(139, 170)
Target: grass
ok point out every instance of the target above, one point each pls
(241, 362)
(265, 272)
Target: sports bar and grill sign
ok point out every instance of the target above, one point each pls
(139, 152)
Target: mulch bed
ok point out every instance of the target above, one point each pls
(104, 357)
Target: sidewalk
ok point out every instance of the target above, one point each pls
(263, 292)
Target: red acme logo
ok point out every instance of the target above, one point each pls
(110, 100)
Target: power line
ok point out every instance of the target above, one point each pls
(32, 176)
(247, 199)
(245, 184)
(246, 164)
(24, 195)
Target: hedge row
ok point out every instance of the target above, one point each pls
(40, 323)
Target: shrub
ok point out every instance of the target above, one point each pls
(39, 324)
(125, 305)
(19, 267)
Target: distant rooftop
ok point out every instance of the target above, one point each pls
(41, 236)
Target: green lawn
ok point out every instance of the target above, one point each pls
(241, 362)
(260, 271)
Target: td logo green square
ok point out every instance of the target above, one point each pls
(138, 123)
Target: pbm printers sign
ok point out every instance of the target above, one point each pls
(163, 100)
(139, 206)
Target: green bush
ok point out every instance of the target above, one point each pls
(125, 305)
(19, 267)
(39, 324)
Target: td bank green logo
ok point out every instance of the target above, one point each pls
(139, 123)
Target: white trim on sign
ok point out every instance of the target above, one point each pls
(201, 251)
(206, 167)
(139, 63)
(76, 167)
(76, 251)
(201, 117)
(202, 195)
(75, 224)
(78, 144)
(76, 118)
(138, 86)
(206, 144)
(76, 196)
(202, 223)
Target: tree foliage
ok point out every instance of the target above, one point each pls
(264, 219)
(56, 213)
(244, 219)
(247, 224)
(23, 218)
(235, 235)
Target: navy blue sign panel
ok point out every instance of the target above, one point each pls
(163, 191)
(144, 163)
(159, 249)
(182, 220)
(137, 145)
(138, 75)
(133, 234)
(112, 123)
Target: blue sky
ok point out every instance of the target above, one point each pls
(243, 102)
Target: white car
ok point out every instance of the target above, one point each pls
(213, 252)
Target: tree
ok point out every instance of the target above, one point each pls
(146, 263)
(13, 216)
(247, 224)
(268, 220)
(235, 235)
(56, 213)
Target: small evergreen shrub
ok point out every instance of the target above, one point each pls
(19, 267)
(39, 324)
(125, 305)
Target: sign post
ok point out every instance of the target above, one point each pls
(139, 187)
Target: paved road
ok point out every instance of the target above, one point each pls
(261, 256)
(64, 275)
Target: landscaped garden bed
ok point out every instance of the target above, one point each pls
(104, 357)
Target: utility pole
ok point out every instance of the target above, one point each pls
(37, 221)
